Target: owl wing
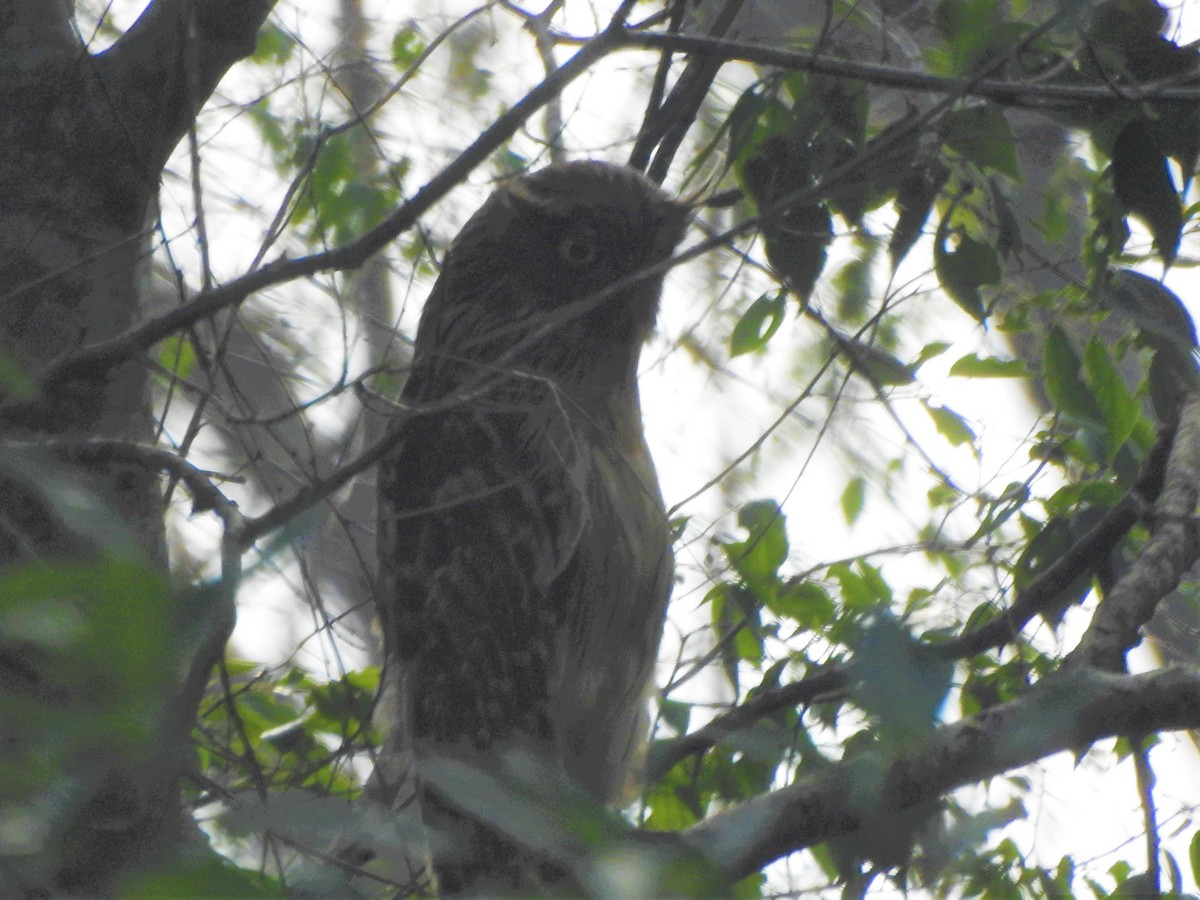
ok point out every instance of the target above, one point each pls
(615, 597)
(476, 527)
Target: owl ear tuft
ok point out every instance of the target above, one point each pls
(518, 193)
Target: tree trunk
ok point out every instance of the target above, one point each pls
(83, 141)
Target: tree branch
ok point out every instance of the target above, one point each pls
(1080, 558)
(165, 67)
(1063, 713)
(32, 30)
(95, 358)
(666, 755)
(1043, 95)
(1172, 549)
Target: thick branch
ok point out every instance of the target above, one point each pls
(164, 68)
(31, 30)
(1062, 713)
(1172, 549)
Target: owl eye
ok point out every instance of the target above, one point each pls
(579, 248)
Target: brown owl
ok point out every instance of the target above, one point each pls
(524, 549)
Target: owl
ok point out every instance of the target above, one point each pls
(525, 553)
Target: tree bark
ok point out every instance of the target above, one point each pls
(83, 141)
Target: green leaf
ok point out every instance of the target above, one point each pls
(1194, 856)
(951, 425)
(858, 593)
(805, 603)
(675, 714)
(759, 324)
(879, 366)
(853, 498)
(15, 381)
(1120, 408)
(914, 200)
(759, 557)
(797, 244)
(964, 269)
(900, 684)
(1064, 386)
(929, 351)
(972, 366)
(407, 45)
(980, 134)
(177, 355)
(273, 46)
(1142, 182)
(209, 876)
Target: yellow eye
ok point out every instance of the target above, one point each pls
(579, 248)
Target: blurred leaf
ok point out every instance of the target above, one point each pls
(273, 46)
(981, 135)
(210, 877)
(797, 243)
(407, 46)
(676, 714)
(177, 355)
(14, 380)
(1064, 386)
(964, 269)
(805, 603)
(930, 351)
(899, 683)
(758, 324)
(758, 558)
(914, 200)
(853, 498)
(858, 591)
(951, 425)
(970, 30)
(972, 366)
(1142, 182)
(879, 366)
(854, 284)
(1120, 408)
(1194, 856)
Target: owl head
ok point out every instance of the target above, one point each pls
(555, 274)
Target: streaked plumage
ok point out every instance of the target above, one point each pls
(524, 548)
